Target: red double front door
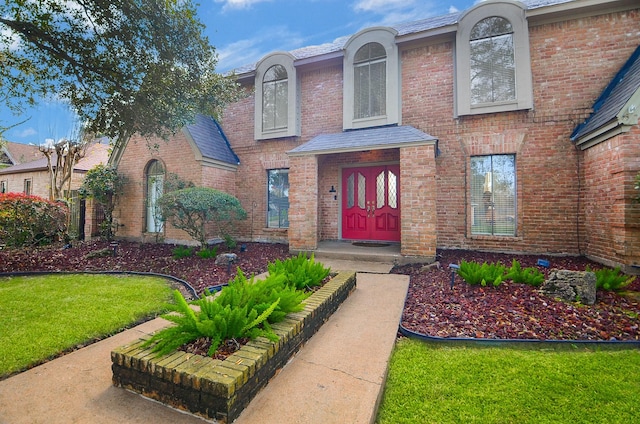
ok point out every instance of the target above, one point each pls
(371, 203)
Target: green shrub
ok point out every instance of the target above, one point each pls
(474, 273)
(200, 211)
(300, 271)
(103, 184)
(610, 279)
(208, 252)
(230, 242)
(531, 276)
(180, 252)
(30, 220)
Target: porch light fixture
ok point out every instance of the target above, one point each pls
(333, 191)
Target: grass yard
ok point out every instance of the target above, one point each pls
(436, 384)
(41, 316)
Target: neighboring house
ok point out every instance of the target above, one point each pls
(16, 153)
(510, 126)
(33, 178)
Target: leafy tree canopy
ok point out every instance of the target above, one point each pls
(125, 66)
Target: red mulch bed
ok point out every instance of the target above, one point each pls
(143, 257)
(511, 311)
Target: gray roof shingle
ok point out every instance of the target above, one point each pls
(211, 140)
(364, 139)
(403, 28)
(613, 98)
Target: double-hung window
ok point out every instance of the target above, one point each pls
(27, 186)
(278, 198)
(493, 195)
(3, 186)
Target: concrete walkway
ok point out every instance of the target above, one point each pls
(337, 377)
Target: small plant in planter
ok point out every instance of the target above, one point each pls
(301, 271)
(243, 309)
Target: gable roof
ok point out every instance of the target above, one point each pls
(210, 140)
(404, 30)
(616, 109)
(96, 153)
(18, 153)
(387, 137)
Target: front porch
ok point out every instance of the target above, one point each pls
(329, 179)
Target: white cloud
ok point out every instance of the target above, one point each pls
(453, 9)
(27, 132)
(381, 5)
(250, 50)
(238, 4)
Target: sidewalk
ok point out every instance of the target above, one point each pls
(337, 377)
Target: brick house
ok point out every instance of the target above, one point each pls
(483, 129)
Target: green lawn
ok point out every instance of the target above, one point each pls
(41, 316)
(435, 384)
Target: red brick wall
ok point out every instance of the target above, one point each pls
(612, 224)
(549, 219)
(557, 212)
(178, 158)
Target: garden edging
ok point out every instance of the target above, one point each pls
(222, 389)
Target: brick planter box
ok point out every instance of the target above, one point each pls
(222, 389)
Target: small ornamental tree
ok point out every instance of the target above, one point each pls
(30, 220)
(192, 209)
(103, 184)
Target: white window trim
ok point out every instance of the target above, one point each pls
(514, 12)
(387, 38)
(293, 103)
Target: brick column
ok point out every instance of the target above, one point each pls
(303, 203)
(418, 201)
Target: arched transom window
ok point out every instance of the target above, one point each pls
(370, 81)
(275, 95)
(493, 76)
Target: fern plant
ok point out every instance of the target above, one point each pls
(300, 271)
(213, 320)
(208, 252)
(180, 252)
(610, 279)
(261, 294)
(531, 276)
(474, 273)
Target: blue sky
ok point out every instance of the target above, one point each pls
(243, 31)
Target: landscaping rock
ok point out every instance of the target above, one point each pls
(571, 286)
(226, 258)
